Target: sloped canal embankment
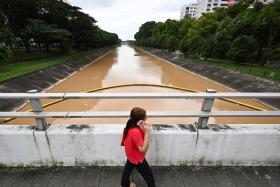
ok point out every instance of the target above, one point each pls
(44, 79)
(239, 81)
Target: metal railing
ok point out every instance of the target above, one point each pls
(204, 114)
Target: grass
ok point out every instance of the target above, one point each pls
(3, 166)
(259, 71)
(12, 70)
(23, 56)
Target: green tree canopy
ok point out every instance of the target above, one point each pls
(247, 32)
(49, 23)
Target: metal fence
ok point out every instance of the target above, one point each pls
(204, 114)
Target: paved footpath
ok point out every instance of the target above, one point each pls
(164, 176)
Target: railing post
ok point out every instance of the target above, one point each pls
(206, 107)
(37, 107)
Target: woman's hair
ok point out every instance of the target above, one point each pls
(136, 114)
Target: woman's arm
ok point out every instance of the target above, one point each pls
(145, 146)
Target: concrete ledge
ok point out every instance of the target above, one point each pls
(84, 145)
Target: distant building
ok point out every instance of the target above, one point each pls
(204, 6)
(195, 10)
(188, 10)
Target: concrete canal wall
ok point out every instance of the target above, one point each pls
(239, 81)
(70, 145)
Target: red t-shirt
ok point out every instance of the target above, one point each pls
(134, 139)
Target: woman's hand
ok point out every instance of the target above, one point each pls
(147, 128)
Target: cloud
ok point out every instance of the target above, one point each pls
(124, 17)
(92, 3)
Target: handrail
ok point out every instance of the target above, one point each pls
(204, 114)
(152, 114)
(138, 95)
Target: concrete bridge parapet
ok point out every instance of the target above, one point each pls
(86, 145)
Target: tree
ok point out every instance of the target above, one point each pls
(223, 38)
(171, 43)
(207, 46)
(194, 46)
(145, 32)
(268, 31)
(243, 49)
(50, 23)
(249, 31)
(45, 34)
(4, 52)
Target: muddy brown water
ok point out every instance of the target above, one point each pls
(128, 65)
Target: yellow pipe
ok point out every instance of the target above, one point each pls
(245, 104)
(156, 85)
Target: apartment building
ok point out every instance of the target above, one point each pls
(210, 5)
(188, 10)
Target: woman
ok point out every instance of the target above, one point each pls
(136, 141)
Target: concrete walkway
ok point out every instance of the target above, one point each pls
(164, 176)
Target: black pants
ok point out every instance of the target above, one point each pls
(143, 168)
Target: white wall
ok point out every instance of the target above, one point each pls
(170, 145)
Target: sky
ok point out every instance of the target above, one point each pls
(124, 17)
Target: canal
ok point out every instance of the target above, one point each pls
(128, 65)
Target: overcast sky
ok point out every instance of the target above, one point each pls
(124, 17)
